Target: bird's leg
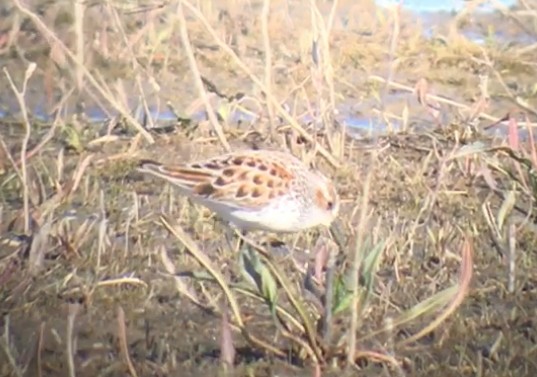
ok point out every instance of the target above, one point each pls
(241, 244)
(229, 233)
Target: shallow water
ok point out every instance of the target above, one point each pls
(434, 17)
(426, 6)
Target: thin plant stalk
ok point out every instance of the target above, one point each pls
(197, 77)
(24, 147)
(356, 263)
(265, 13)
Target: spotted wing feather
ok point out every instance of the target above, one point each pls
(237, 180)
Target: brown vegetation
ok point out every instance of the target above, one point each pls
(104, 272)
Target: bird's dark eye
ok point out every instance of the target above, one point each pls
(329, 205)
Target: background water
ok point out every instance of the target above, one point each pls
(448, 6)
(432, 14)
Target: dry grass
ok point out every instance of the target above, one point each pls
(105, 272)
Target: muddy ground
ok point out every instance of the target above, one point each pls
(87, 285)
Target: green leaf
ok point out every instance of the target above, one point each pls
(343, 296)
(73, 139)
(370, 265)
(506, 208)
(259, 275)
(343, 303)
